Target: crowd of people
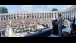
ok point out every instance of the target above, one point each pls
(22, 25)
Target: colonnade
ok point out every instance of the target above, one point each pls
(67, 14)
(28, 15)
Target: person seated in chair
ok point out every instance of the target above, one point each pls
(67, 29)
(65, 34)
(74, 25)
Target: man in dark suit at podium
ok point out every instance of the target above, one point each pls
(55, 27)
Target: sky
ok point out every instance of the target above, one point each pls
(29, 8)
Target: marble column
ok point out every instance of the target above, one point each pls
(64, 15)
(47, 15)
(56, 15)
(51, 15)
(26, 15)
(0, 17)
(10, 16)
(34, 15)
(71, 14)
(23, 15)
(4, 17)
(31, 15)
(16, 16)
(13, 16)
(44, 15)
(61, 13)
(67, 14)
(39, 15)
(74, 12)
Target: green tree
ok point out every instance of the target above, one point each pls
(3, 10)
(54, 9)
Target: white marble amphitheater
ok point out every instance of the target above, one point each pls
(33, 17)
